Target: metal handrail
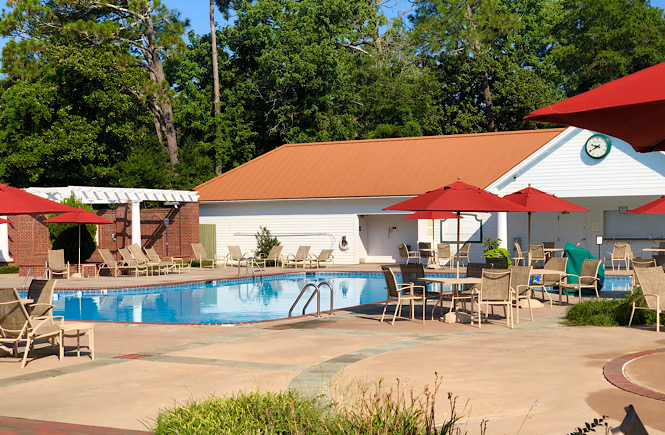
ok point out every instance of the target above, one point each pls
(250, 263)
(317, 293)
(27, 275)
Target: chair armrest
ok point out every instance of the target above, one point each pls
(405, 286)
(595, 278)
(262, 255)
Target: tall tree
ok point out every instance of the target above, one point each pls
(147, 27)
(215, 66)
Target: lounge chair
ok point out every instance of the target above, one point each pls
(494, 290)
(413, 274)
(620, 252)
(519, 257)
(141, 258)
(56, 263)
(323, 258)
(164, 265)
(587, 279)
(130, 263)
(17, 326)
(400, 293)
(652, 282)
(41, 293)
(110, 263)
(274, 256)
(201, 255)
(520, 282)
(536, 253)
(639, 262)
(301, 257)
(236, 256)
(444, 254)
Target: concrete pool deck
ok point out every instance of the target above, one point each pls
(539, 377)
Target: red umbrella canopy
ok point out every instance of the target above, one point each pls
(537, 200)
(78, 216)
(17, 201)
(654, 207)
(431, 215)
(457, 197)
(4, 221)
(631, 108)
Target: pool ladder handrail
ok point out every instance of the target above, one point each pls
(250, 264)
(34, 270)
(317, 293)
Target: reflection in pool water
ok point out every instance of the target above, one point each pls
(232, 302)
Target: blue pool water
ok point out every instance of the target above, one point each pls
(231, 301)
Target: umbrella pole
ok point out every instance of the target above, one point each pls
(529, 226)
(458, 232)
(79, 249)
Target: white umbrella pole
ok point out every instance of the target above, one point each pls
(79, 248)
(458, 232)
(529, 226)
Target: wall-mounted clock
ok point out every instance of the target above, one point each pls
(598, 146)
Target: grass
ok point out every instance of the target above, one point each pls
(609, 312)
(374, 410)
(8, 269)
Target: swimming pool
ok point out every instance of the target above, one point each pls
(231, 301)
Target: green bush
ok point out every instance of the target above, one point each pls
(66, 236)
(8, 269)
(264, 242)
(609, 312)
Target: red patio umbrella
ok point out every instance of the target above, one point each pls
(631, 108)
(79, 216)
(4, 221)
(431, 215)
(457, 197)
(17, 201)
(537, 200)
(654, 207)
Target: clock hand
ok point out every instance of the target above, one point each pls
(596, 146)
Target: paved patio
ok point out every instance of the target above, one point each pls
(540, 377)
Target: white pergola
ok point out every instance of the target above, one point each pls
(105, 195)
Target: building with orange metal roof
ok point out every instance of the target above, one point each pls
(316, 193)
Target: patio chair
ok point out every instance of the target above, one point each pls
(400, 293)
(301, 257)
(408, 255)
(141, 258)
(130, 263)
(41, 293)
(444, 253)
(425, 251)
(520, 282)
(462, 295)
(464, 253)
(323, 258)
(639, 262)
(652, 282)
(163, 265)
(235, 257)
(519, 257)
(548, 245)
(554, 281)
(536, 253)
(620, 252)
(413, 274)
(201, 255)
(17, 326)
(494, 290)
(56, 263)
(587, 279)
(273, 256)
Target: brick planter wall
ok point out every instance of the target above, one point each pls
(29, 237)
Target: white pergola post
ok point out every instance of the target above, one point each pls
(4, 242)
(502, 229)
(136, 222)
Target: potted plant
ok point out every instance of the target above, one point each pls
(498, 257)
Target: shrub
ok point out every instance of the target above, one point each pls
(264, 242)
(8, 269)
(66, 236)
(609, 312)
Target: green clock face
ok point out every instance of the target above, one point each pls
(598, 146)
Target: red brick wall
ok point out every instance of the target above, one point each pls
(29, 242)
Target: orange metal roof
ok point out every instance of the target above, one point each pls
(381, 167)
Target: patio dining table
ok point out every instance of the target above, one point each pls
(456, 285)
(541, 272)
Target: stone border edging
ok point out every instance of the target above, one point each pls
(613, 372)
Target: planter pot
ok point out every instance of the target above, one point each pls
(497, 263)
